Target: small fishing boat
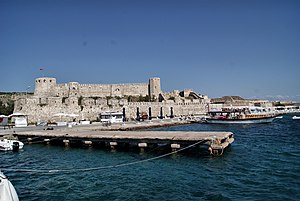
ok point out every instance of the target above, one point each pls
(7, 190)
(295, 117)
(240, 115)
(10, 144)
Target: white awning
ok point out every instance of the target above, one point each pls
(17, 114)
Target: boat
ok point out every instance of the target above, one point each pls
(240, 115)
(10, 144)
(296, 118)
(198, 119)
(7, 190)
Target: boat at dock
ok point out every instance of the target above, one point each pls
(8, 143)
(296, 118)
(240, 115)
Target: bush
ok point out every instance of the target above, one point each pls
(8, 108)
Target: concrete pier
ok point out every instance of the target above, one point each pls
(213, 142)
(126, 136)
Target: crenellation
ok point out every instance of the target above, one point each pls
(87, 101)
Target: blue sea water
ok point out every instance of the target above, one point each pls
(262, 164)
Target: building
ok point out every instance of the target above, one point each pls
(86, 101)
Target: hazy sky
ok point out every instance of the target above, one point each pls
(249, 48)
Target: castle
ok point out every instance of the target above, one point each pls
(87, 101)
(47, 87)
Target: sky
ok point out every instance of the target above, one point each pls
(247, 48)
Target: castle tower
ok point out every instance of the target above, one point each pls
(73, 89)
(45, 87)
(154, 87)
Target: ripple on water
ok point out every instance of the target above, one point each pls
(262, 164)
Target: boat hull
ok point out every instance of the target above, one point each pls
(240, 121)
(10, 145)
(7, 190)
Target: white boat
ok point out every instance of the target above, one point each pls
(10, 145)
(7, 190)
(240, 115)
(295, 117)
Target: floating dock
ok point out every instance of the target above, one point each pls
(213, 142)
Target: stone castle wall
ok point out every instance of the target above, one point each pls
(89, 100)
(45, 109)
(47, 87)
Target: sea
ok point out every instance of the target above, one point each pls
(263, 163)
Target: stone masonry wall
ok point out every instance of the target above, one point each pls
(47, 87)
(89, 100)
(90, 108)
(120, 90)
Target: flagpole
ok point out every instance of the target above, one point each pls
(42, 69)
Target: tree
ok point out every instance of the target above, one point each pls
(8, 108)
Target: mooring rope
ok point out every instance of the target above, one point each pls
(101, 167)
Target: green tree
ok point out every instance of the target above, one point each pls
(8, 108)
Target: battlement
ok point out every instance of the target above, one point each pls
(44, 86)
(47, 87)
(88, 100)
